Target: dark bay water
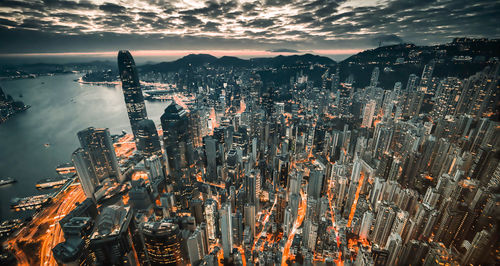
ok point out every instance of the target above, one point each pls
(60, 108)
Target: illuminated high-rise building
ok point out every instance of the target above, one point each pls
(226, 230)
(411, 85)
(478, 247)
(85, 172)
(374, 78)
(383, 224)
(382, 139)
(425, 81)
(162, 241)
(210, 213)
(196, 247)
(394, 245)
(98, 147)
(210, 146)
(147, 137)
(134, 100)
(437, 255)
(75, 250)
(250, 187)
(111, 242)
(368, 113)
(250, 217)
(310, 234)
(174, 123)
(366, 225)
(316, 180)
(154, 166)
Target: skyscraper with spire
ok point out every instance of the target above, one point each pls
(134, 100)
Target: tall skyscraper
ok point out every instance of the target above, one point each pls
(250, 217)
(383, 224)
(147, 137)
(366, 225)
(85, 172)
(98, 147)
(427, 76)
(134, 100)
(111, 242)
(250, 187)
(210, 145)
(174, 123)
(316, 180)
(368, 113)
(478, 248)
(226, 229)
(75, 250)
(211, 217)
(412, 82)
(196, 247)
(374, 78)
(162, 241)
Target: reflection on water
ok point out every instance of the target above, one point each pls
(60, 108)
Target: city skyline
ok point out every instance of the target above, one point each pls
(214, 133)
(250, 168)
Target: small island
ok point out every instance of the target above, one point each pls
(10, 107)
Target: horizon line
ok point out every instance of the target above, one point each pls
(146, 53)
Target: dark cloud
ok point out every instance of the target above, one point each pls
(211, 26)
(339, 16)
(147, 14)
(21, 4)
(68, 17)
(68, 4)
(247, 7)
(212, 10)
(300, 24)
(112, 8)
(7, 22)
(277, 2)
(233, 15)
(283, 50)
(259, 23)
(191, 21)
(303, 18)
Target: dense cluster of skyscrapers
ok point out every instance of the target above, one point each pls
(362, 176)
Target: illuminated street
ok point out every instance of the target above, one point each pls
(44, 231)
(298, 222)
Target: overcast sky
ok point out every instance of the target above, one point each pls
(36, 26)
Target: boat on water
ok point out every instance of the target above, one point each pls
(29, 203)
(46, 145)
(51, 182)
(9, 226)
(7, 180)
(65, 168)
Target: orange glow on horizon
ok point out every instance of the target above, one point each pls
(180, 53)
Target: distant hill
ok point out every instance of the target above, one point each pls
(194, 60)
(49, 68)
(461, 58)
(197, 60)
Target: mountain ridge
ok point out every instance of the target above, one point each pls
(197, 60)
